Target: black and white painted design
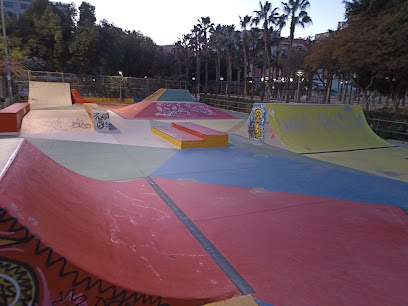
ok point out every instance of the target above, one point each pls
(101, 122)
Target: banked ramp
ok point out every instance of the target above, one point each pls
(310, 129)
(66, 238)
(164, 94)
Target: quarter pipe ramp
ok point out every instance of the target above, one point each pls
(48, 94)
(311, 128)
(68, 238)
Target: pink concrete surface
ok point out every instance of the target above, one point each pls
(121, 232)
(15, 108)
(163, 110)
(302, 250)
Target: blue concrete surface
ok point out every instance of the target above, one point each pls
(235, 167)
(260, 303)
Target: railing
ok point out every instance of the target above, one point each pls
(243, 107)
(96, 85)
(389, 129)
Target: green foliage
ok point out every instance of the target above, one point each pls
(45, 37)
(86, 14)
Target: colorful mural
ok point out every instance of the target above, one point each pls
(257, 121)
(33, 274)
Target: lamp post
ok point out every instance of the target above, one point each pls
(299, 73)
(120, 85)
(221, 79)
(6, 54)
(195, 89)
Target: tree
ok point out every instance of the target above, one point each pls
(372, 48)
(324, 60)
(295, 11)
(84, 51)
(255, 47)
(230, 38)
(195, 43)
(86, 14)
(217, 42)
(266, 15)
(41, 31)
(244, 22)
(237, 55)
(205, 26)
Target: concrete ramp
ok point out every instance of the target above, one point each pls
(40, 121)
(49, 94)
(69, 239)
(311, 128)
(338, 134)
(169, 110)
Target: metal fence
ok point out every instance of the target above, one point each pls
(389, 129)
(97, 85)
(238, 106)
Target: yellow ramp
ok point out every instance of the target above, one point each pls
(322, 128)
(338, 134)
(390, 162)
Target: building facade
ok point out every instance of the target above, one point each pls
(16, 6)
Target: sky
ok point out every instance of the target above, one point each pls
(165, 21)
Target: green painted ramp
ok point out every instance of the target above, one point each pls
(179, 95)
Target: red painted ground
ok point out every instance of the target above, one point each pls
(303, 250)
(162, 110)
(121, 232)
(197, 128)
(178, 134)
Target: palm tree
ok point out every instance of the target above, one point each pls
(216, 42)
(178, 52)
(205, 26)
(244, 22)
(184, 43)
(295, 10)
(230, 39)
(254, 46)
(238, 62)
(195, 42)
(267, 16)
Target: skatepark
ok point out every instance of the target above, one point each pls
(173, 202)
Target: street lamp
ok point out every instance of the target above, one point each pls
(195, 89)
(120, 85)
(6, 54)
(299, 73)
(221, 79)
